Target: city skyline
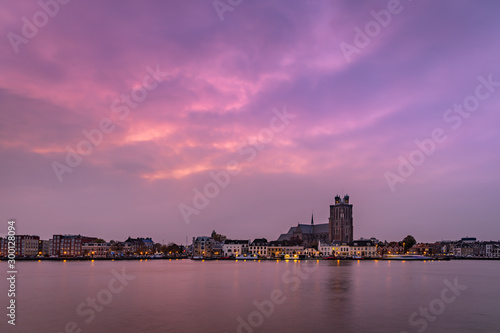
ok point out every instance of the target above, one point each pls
(169, 120)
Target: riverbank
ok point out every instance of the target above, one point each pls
(241, 259)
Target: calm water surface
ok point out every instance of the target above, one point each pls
(266, 296)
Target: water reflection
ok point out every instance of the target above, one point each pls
(210, 296)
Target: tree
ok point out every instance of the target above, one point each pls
(157, 247)
(100, 240)
(172, 248)
(408, 242)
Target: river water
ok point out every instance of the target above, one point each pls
(252, 296)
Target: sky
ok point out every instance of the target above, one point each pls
(169, 119)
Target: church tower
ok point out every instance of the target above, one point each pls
(340, 221)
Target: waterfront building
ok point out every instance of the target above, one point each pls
(66, 246)
(491, 249)
(258, 247)
(293, 250)
(203, 246)
(277, 249)
(341, 249)
(234, 247)
(121, 249)
(425, 249)
(341, 220)
(3, 247)
(217, 249)
(148, 243)
(44, 248)
(390, 248)
(140, 245)
(96, 250)
(463, 250)
(363, 248)
(337, 249)
(311, 252)
(479, 249)
(26, 245)
(495, 252)
(325, 249)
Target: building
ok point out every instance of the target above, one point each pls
(341, 221)
(425, 249)
(492, 249)
(337, 249)
(495, 252)
(258, 247)
(234, 247)
(26, 245)
(44, 248)
(203, 246)
(66, 246)
(277, 249)
(469, 240)
(96, 250)
(3, 247)
(141, 245)
(363, 248)
(148, 243)
(308, 235)
(463, 250)
(86, 239)
(217, 249)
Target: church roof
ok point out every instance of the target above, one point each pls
(283, 237)
(313, 229)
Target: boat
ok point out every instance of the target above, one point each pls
(251, 257)
(405, 257)
(293, 256)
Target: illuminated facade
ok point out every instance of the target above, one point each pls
(233, 247)
(340, 221)
(66, 246)
(203, 246)
(96, 250)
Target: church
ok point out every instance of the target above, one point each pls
(338, 229)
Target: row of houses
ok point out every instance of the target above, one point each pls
(70, 246)
(465, 247)
(207, 247)
(367, 248)
(471, 247)
(66, 246)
